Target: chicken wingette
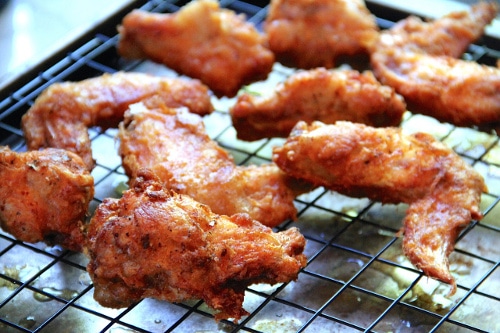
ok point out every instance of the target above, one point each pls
(317, 94)
(443, 191)
(174, 144)
(62, 114)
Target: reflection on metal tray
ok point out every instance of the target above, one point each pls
(357, 278)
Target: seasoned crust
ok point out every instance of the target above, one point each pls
(155, 243)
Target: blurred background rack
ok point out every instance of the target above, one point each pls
(357, 278)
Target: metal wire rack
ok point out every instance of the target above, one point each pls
(357, 278)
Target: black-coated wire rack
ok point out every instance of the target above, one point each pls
(357, 278)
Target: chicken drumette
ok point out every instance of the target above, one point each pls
(155, 243)
(44, 196)
(201, 40)
(316, 33)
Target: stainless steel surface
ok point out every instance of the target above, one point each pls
(32, 30)
(357, 278)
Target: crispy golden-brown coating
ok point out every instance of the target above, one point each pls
(317, 94)
(449, 35)
(315, 33)
(174, 144)
(383, 164)
(44, 196)
(62, 114)
(419, 60)
(201, 40)
(155, 243)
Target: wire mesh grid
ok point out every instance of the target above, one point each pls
(357, 278)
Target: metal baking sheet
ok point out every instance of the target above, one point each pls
(357, 278)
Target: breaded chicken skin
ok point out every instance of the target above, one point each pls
(62, 114)
(315, 33)
(202, 41)
(317, 94)
(155, 243)
(419, 59)
(449, 35)
(174, 144)
(383, 164)
(44, 196)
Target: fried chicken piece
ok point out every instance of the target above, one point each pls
(315, 33)
(383, 164)
(45, 196)
(451, 90)
(318, 94)
(449, 35)
(62, 114)
(201, 40)
(155, 243)
(174, 144)
(419, 60)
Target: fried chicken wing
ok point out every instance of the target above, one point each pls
(44, 196)
(318, 94)
(419, 60)
(155, 243)
(449, 35)
(174, 144)
(315, 33)
(62, 114)
(201, 40)
(383, 164)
